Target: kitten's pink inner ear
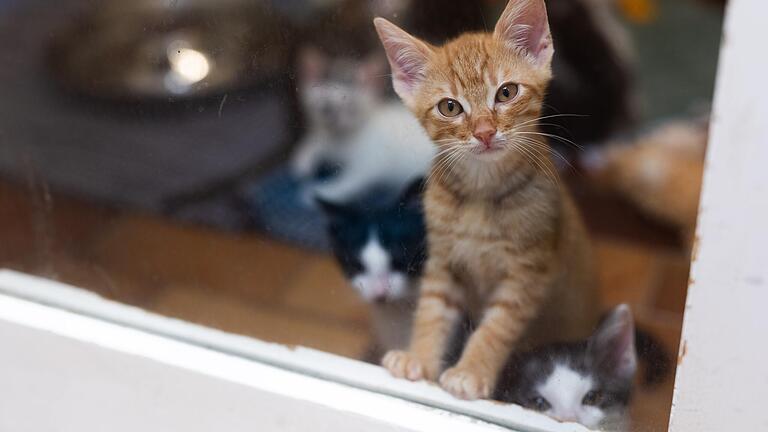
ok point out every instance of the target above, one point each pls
(312, 65)
(408, 57)
(614, 342)
(524, 24)
(372, 72)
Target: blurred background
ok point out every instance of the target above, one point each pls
(169, 153)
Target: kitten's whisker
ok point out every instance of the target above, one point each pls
(546, 163)
(451, 163)
(528, 157)
(549, 150)
(455, 162)
(442, 161)
(437, 172)
(443, 151)
(541, 165)
(557, 137)
(447, 142)
(552, 125)
(535, 123)
(446, 146)
(549, 117)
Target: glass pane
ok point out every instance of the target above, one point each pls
(249, 166)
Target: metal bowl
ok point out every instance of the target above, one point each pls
(147, 49)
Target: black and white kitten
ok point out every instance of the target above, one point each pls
(588, 382)
(381, 250)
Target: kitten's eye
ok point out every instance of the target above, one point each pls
(592, 398)
(539, 404)
(506, 92)
(449, 107)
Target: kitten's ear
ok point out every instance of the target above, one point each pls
(612, 346)
(312, 65)
(408, 57)
(524, 25)
(372, 72)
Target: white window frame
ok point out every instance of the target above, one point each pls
(72, 361)
(722, 373)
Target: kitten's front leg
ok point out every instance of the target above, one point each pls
(507, 314)
(435, 318)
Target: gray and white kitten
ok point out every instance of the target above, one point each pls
(372, 140)
(337, 95)
(588, 382)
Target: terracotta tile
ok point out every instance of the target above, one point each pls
(626, 273)
(172, 254)
(323, 291)
(672, 288)
(271, 324)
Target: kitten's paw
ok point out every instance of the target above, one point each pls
(402, 364)
(465, 383)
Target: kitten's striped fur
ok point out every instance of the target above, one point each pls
(506, 243)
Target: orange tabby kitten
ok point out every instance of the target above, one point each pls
(506, 243)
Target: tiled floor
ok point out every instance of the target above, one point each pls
(251, 285)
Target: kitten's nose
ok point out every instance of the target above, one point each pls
(380, 299)
(484, 132)
(380, 288)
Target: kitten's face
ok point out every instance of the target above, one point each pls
(338, 94)
(588, 382)
(480, 98)
(381, 252)
(574, 391)
(479, 95)
(372, 269)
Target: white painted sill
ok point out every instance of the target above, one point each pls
(295, 375)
